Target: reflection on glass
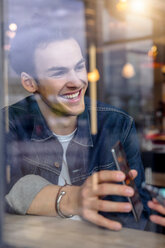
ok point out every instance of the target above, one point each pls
(57, 164)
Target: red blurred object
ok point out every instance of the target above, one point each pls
(158, 138)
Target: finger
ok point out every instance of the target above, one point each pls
(108, 206)
(107, 176)
(158, 220)
(108, 189)
(155, 201)
(133, 174)
(99, 220)
(157, 207)
(114, 189)
(88, 194)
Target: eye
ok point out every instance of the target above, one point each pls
(59, 73)
(80, 67)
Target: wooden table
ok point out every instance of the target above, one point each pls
(50, 232)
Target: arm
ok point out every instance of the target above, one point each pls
(44, 202)
(85, 200)
(23, 192)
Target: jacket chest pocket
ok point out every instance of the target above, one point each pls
(35, 167)
(41, 156)
(28, 165)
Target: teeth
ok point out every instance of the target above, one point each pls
(71, 96)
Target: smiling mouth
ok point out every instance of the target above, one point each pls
(72, 96)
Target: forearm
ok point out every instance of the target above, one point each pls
(33, 194)
(44, 202)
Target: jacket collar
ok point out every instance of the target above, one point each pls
(41, 131)
(83, 135)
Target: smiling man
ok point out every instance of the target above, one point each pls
(61, 83)
(52, 154)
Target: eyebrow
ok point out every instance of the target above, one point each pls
(80, 62)
(56, 68)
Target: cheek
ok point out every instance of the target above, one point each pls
(83, 76)
(51, 86)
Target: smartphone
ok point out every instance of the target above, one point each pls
(158, 194)
(122, 165)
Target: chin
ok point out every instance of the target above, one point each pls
(62, 111)
(76, 111)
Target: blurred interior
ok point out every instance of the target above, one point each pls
(129, 37)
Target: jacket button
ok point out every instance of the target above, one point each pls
(56, 164)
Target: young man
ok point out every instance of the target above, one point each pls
(50, 143)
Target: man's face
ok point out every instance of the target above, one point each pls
(61, 72)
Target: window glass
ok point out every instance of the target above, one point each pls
(79, 77)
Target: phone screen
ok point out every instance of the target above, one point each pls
(122, 164)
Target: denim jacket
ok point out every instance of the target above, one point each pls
(33, 148)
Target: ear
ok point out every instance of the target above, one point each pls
(28, 83)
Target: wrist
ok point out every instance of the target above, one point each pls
(69, 204)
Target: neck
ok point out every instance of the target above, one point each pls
(61, 125)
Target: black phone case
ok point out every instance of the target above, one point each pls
(122, 165)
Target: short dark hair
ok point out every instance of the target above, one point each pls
(27, 39)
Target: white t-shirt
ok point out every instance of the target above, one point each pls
(64, 175)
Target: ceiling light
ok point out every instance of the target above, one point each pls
(128, 71)
(138, 6)
(121, 5)
(13, 27)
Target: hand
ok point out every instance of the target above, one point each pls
(95, 188)
(155, 205)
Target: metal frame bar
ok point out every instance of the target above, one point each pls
(1, 126)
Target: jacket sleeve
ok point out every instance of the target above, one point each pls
(23, 192)
(21, 188)
(132, 149)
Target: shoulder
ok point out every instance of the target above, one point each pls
(23, 110)
(108, 110)
(23, 106)
(112, 123)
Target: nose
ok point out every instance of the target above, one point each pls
(73, 80)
